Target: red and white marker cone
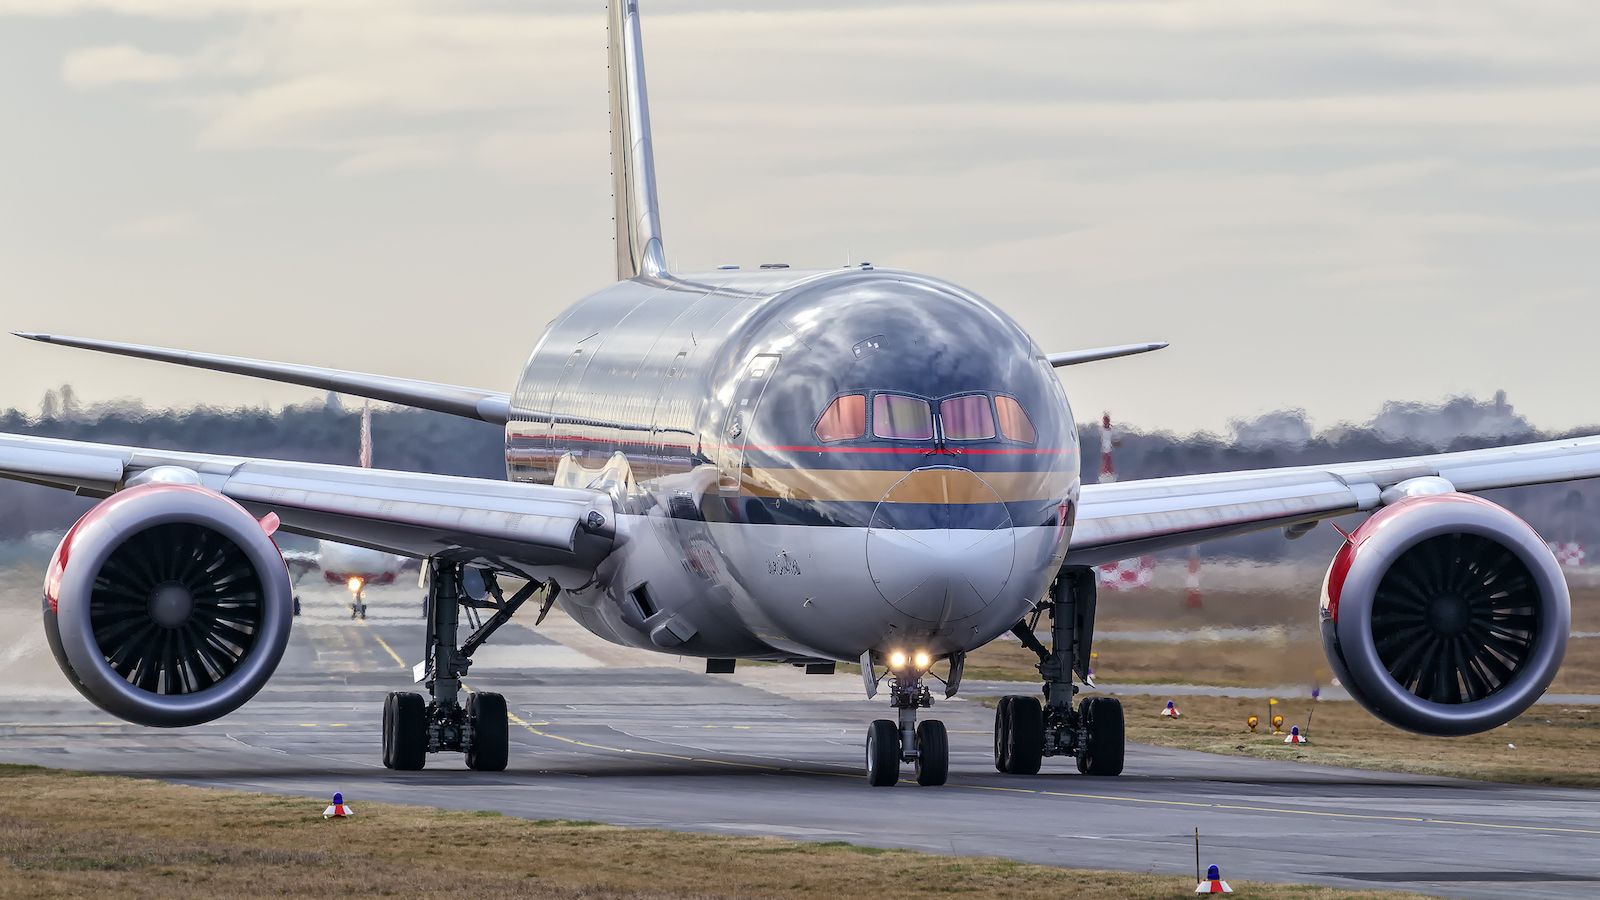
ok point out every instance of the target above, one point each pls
(1295, 737)
(1170, 711)
(1570, 554)
(338, 810)
(1127, 574)
(1108, 439)
(1213, 883)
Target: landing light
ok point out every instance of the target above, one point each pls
(897, 660)
(354, 584)
(922, 659)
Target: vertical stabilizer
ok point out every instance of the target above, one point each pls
(633, 169)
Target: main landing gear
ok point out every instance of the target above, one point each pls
(414, 727)
(1026, 731)
(903, 740)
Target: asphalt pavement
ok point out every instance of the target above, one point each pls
(611, 735)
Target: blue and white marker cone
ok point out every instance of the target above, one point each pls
(1213, 883)
(1171, 710)
(1295, 737)
(338, 810)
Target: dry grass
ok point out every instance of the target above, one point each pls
(1286, 649)
(1282, 596)
(1266, 663)
(1554, 745)
(69, 835)
(1272, 661)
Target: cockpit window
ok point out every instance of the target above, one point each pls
(967, 418)
(901, 418)
(844, 419)
(1014, 422)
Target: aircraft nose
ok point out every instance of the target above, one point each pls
(940, 545)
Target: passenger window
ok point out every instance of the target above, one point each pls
(1014, 422)
(902, 418)
(844, 419)
(967, 418)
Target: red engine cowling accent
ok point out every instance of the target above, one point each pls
(1445, 614)
(1339, 570)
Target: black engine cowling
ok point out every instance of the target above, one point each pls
(1445, 615)
(167, 604)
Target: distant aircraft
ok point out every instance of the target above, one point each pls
(357, 568)
(803, 466)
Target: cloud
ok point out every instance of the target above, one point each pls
(1374, 167)
(157, 226)
(384, 156)
(97, 67)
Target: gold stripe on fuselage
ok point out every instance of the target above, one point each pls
(956, 486)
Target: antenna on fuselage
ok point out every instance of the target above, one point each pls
(633, 168)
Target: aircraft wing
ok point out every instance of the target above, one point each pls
(469, 403)
(507, 526)
(1127, 518)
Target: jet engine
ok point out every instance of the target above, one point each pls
(167, 604)
(1445, 614)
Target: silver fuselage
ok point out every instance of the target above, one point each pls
(694, 401)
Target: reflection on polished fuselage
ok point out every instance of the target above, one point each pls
(932, 520)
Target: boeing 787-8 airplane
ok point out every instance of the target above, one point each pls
(852, 464)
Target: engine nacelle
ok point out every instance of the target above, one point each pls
(168, 605)
(1445, 615)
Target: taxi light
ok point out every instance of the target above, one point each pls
(922, 659)
(354, 584)
(897, 660)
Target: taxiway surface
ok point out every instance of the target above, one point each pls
(606, 734)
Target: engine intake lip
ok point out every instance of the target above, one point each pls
(1439, 526)
(91, 632)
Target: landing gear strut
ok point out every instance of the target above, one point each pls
(1026, 731)
(413, 727)
(358, 604)
(903, 740)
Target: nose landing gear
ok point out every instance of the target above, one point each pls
(890, 743)
(1026, 731)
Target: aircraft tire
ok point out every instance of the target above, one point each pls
(1101, 750)
(405, 731)
(491, 738)
(1025, 749)
(883, 753)
(933, 753)
(1002, 735)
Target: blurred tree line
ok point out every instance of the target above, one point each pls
(1560, 512)
(329, 432)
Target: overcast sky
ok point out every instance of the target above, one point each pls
(1321, 204)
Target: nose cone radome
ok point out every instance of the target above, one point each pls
(940, 545)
